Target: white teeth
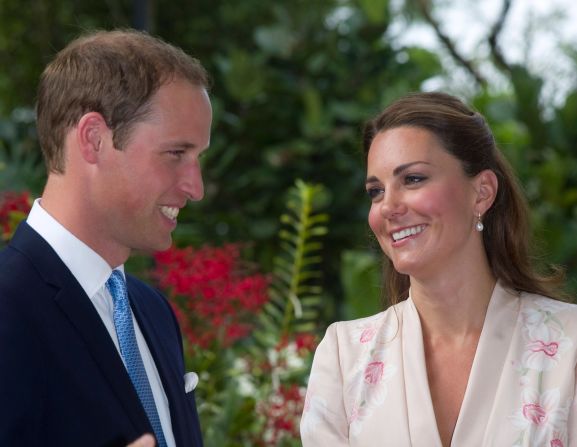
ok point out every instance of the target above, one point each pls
(398, 235)
(170, 211)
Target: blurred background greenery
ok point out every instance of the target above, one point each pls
(293, 82)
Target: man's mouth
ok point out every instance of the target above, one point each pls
(170, 211)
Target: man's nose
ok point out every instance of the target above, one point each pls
(191, 182)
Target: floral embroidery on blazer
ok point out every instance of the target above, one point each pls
(368, 385)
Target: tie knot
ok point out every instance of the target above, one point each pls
(116, 286)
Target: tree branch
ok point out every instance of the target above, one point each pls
(424, 6)
(494, 35)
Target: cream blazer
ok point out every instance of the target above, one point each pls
(368, 385)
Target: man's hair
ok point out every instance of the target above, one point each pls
(114, 73)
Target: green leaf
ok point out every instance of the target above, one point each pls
(360, 273)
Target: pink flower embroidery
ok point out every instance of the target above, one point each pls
(368, 334)
(543, 416)
(543, 411)
(368, 388)
(374, 372)
(534, 413)
(357, 413)
(549, 349)
(543, 353)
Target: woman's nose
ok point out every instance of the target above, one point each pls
(392, 204)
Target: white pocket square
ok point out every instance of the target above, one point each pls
(190, 381)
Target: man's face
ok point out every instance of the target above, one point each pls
(140, 189)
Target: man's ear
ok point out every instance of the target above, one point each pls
(486, 187)
(91, 132)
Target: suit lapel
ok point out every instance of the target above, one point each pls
(82, 315)
(88, 324)
(172, 380)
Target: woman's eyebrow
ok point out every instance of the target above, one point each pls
(397, 171)
(406, 166)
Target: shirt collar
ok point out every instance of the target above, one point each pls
(87, 266)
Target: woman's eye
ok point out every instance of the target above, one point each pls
(374, 192)
(414, 179)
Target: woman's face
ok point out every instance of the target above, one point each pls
(422, 203)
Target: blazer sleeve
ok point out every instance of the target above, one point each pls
(324, 421)
(21, 379)
(572, 421)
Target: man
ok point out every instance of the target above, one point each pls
(122, 119)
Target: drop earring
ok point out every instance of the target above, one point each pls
(479, 225)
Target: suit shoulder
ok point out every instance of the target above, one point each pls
(18, 275)
(11, 262)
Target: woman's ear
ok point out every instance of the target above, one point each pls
(91, 130)
(486, 187)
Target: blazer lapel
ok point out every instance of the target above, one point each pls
(160, 346)
(487, 369)
(420, 412)
(85, 319)
(81, 314)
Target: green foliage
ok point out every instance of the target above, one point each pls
(30, 36)
(362, 284)
(20, 160)
(241, 384)
(543, 152)
(293, 83)
(377, 11)
(292, 86)
(296, 291)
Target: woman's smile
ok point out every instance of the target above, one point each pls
(405, 233)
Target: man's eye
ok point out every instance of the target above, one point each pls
(176, 153)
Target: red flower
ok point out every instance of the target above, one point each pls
(13, 208)
(215, 296)
(282, 412)
(306, 342)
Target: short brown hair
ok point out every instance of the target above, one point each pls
(114, 73)
(465, 134)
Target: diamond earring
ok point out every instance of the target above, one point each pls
(479, 225)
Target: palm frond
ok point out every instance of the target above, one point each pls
(295, 291)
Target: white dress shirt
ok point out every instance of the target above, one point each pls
(92, 272)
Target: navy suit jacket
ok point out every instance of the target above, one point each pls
(62, 381)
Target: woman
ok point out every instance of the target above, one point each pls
(476, 350)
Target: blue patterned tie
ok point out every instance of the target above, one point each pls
(129, 349)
